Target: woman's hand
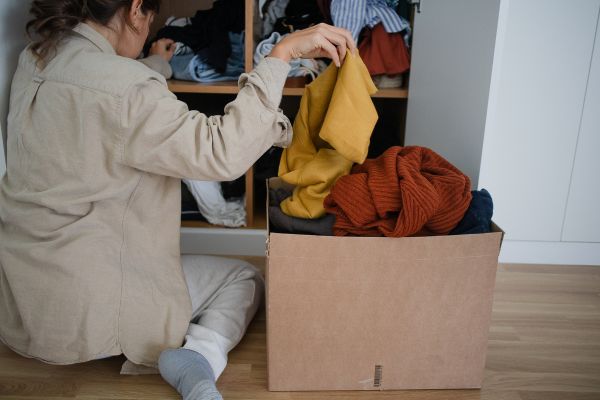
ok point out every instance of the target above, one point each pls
(164, 48)
(321, 40)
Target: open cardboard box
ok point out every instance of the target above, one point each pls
(377, 313)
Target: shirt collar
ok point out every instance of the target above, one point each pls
(95, 37)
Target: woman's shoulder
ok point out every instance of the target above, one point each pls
(83, 66)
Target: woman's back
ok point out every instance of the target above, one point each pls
(79, 228)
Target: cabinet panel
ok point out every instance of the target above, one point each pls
(451, 66)
(582, 219)
(534, 114)
(13, 16)
(2, 160)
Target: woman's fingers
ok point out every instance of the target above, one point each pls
(164, 48)
(338, 40)
(329, 49)
(350, 44)
(321, 40)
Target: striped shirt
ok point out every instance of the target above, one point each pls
(354, 15)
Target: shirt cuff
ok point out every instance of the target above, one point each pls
(273, 72)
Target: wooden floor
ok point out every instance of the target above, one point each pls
(544, 345)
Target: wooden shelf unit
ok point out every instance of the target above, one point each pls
(230, 87)
(256, 218)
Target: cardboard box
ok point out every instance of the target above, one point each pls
(376, 313)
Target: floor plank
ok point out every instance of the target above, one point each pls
(544, 344)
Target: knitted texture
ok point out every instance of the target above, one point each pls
(331, 132)
(405, 191)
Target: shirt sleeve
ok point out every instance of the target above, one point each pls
(160, 135)
(158, 64)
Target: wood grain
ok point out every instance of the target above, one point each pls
(230, 87)
(544, 345)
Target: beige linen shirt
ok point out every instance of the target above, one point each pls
(90, 203)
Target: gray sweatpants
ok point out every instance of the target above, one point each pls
(225, 295)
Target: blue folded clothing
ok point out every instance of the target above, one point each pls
(195, 67)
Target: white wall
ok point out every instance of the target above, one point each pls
(13, 17)
(538, 89)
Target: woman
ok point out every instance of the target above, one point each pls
(90, 203)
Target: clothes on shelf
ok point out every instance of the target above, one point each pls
(214, 207)
(299, 14)
(299, 66)
(478, 218)
(354, 15)
(209, 29)
(285, 224)
(406, 191)
(324, 6)
(384, 53)
(381, 33)
(234, 189)
(331, 132)
(180, 48)
(388, 81)
(267, 165)
(275, 9)
(195, 67)
(189, 207)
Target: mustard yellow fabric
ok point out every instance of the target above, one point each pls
(331, 132)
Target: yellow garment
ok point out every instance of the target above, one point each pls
(331, 132)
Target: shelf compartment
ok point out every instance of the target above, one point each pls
(230, 87)
(225, 87)
(260, 222)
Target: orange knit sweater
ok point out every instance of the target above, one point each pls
(405, 191)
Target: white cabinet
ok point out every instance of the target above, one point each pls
(530, 139)
(582, 219)
(542, 132)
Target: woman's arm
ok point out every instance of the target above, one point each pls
(160, 135)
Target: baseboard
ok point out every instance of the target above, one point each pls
(564, 253)
(222, 241)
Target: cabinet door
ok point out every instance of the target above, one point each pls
(582, 219)
(2, 160)
(13, 17)
(451, 66)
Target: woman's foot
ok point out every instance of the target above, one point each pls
(189, 373)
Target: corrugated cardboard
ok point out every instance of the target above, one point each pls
(367, 313)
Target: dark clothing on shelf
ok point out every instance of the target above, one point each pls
(299, 14)
(209, 29)
(267, 165)
(325, 8)
(285, 224)
(478, 217)
(384, 53)
(234, 189)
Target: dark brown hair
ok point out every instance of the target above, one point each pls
(53, 19)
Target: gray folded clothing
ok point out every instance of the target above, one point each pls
(283, 223)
